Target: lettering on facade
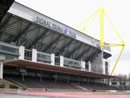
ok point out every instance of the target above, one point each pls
(55, 27)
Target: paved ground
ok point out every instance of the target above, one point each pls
(2, 95)
(65, 95)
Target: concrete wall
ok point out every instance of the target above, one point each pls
(96, 64)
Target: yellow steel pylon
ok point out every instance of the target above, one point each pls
(102, 13)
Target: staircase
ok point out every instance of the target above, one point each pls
(15, 83)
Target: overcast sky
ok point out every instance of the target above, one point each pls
(73, 12)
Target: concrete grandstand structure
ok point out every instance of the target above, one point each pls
(37, 51)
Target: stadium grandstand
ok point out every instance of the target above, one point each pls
(38, 52)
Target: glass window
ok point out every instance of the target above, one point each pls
(46, 58)
(72, 63)
(86, 66)
(114, 83)
(9, 49)
(28, 54)
(57, 60)
(8, 57)
(122, 83)
(106, 67)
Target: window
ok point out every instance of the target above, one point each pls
(46, 58)
(9, 49)
(114, 83)
(28, 54)
(72, 63)
(106, 67)
(57, 60)
(8, 57)
(122, 83)
(86, 66)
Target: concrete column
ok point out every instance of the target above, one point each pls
(108, 81)
(61, 61)
(103, 66)
(83, 65)
(52, 59)
(78, 79)
(56, 78)
(22, 76)
(101, 61)
(40, 78)
(1, 70)
(21, 52)
(34, 55)
(89, 66)
(108, 67)
(68, 80)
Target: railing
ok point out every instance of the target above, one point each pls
(11, 52)
(28, 54)
(57, 60)
(44, 57)
(13, 82)
(72, 63)
(86, 66)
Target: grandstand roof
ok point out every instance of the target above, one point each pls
(54, 68)
(24, 26)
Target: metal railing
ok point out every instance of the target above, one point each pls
(44, 57)
(57, 60)
(28, 54)
(72, 63)
(86, 66)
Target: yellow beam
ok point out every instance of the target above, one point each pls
(102, 28)
(102, 13)
(84, 30)
(117, 59)
(113, 45)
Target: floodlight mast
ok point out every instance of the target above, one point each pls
(102, 13)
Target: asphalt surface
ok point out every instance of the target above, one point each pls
(66, 95)
(2, 95)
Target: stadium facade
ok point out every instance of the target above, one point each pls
(33, 44)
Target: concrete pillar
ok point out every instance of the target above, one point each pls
(108, 81)
(83, 65)
(56, 78)
(103, 66)
(52, 59)
(89, 66)
(101, 61)
(21, 52)
(61, 61)
(22, 76)
(68, 80)
(1, 70)
(34, 55)
(78, 79)
(41, 78)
